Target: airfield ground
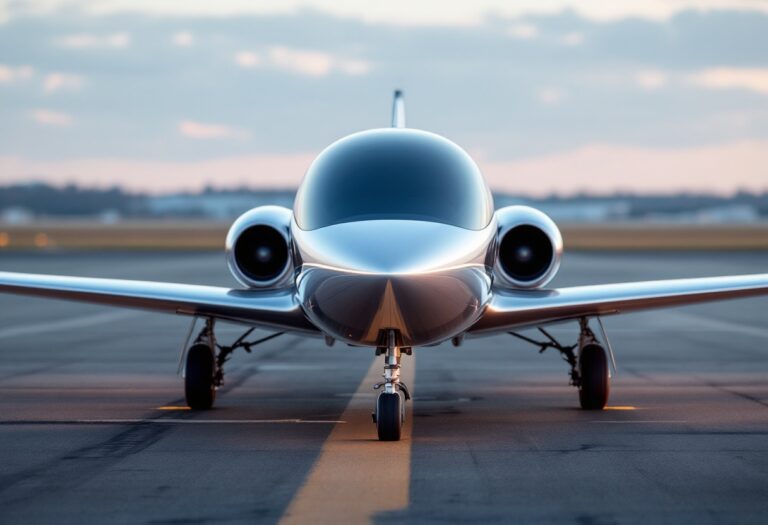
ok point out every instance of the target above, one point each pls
(92, 426)
(207, 235)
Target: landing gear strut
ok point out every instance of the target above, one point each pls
(589, 369)
(390, 405)
(204, 364)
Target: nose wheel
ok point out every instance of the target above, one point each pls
(389, 415)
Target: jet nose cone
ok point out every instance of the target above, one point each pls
(392, 247)
(426, 281)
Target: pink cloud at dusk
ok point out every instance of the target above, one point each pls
(597, 169)
(606, 169)
(199, 130)
(269, 171)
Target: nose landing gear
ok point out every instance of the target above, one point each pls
(390, 405)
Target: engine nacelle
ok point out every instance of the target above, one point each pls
(259, 253)
(528, 248)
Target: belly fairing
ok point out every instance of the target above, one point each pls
(424, 309)
(427, 281)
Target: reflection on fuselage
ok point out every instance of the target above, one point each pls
(427, 281)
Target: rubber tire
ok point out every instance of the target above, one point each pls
(389, 416)
(595, 379)
(198, 377)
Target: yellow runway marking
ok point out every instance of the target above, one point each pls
(620, 408)
(641, 422)
(172, 408)
(356, 476)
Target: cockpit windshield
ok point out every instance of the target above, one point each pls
(393, 174)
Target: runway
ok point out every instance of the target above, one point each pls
(93, 427)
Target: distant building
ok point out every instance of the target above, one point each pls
(216, 205)
(16, 215)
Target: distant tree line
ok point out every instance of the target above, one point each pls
(46, 200)
(42, 199)
(644, 205)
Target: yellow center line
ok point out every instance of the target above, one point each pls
(357, 475)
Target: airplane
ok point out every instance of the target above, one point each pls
(393, 243)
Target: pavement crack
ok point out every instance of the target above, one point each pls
(736, 393)
(78, 466)
(135, 439)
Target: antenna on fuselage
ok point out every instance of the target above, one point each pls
(398, 110)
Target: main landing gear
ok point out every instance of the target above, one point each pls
(589, 370)
(204, 364)
(390, 405)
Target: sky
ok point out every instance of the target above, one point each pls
(548, 96)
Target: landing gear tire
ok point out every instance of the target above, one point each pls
(594, 378)
(389, 416)
(199, 387)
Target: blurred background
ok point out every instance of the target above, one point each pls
(600, 113)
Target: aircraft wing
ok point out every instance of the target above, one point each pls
(509, 310)
(270, 308)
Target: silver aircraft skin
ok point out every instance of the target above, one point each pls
(393, 243)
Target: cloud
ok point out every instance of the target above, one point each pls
(91, 41)
(314, 63)
(534, 96)
(247, 59)
(274, 171)
(399, 12)
(572, 39)
(183, 39)
(523, 31)
(651, 79)
(10, 74)
(751, 79)
(303, 62)
(608, 168)
(198, 130)
(597, 168)
(47, 117)
(550, 95)
(62, 81)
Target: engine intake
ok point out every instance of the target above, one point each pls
(259, 247)
(529, 247)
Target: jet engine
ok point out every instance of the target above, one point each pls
(259, 247)
(528, 248)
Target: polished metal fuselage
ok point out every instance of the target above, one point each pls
(426, 281)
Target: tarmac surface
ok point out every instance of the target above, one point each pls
(93, 430)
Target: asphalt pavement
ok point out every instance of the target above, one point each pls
(93, 427)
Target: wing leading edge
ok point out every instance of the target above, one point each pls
(516, 309)
(271, 308)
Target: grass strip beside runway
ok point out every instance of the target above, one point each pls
(203, 235)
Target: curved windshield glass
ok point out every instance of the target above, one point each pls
(393, 174)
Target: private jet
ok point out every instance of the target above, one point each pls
(393, 243)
